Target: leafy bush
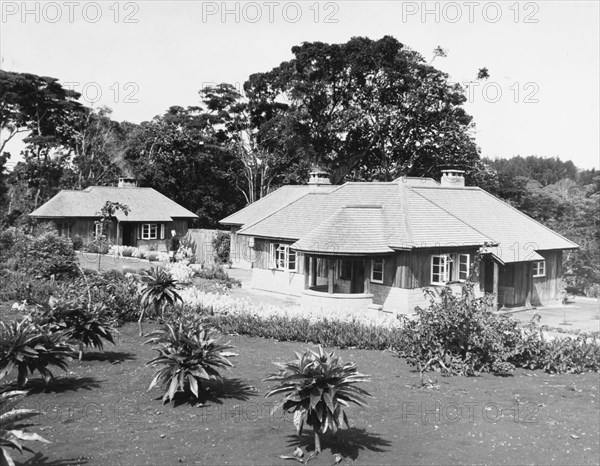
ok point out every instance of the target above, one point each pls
(12, 427)
(18, 286)
(187, 250)
(318, 388)
(218, 274)
(152, 256)
(127, 252)
(181, 272)
(221, 244)
(42, 256)
(77, 243)
(573, 355)
(28, 348)
(97, 247)
(187, 357)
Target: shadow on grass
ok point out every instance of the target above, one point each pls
(62, 384)
(41, 460)
(217, 391)
(348, 443)
(109, 356)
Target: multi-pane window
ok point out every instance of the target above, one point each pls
(149, 231)
(282, 257)
(539, 269)
(377, 270)
(449, 267)
(65, 229)
(98, 230)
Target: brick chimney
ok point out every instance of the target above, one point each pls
(452, 178)
(127, 182)
(318, 177)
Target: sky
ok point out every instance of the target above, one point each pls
(139, 58)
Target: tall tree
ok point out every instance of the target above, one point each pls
(180, 155)
(367, 109)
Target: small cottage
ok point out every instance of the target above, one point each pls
(150, 219)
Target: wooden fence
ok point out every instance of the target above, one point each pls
(204, 247)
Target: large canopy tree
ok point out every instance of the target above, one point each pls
(364, 109)
(180, 155)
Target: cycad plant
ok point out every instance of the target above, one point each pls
(159, 290)
(318, 387)
(187, 357)
(28, 348)
(12, 427)
(85, 326)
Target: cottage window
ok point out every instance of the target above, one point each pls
(439, 269)
(539, 269)
(377, 270)
(345, 269)
(98, 230)
(282, 257)
(65, 229)
(449, 267)
(149, 231)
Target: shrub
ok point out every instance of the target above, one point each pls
(187, 357)
(574, 355)
(187, 249)
(152, 256)
(77, 243)
(12, 428)
(317, 388)
(42, 256)
(181, 272)
(28, 348)
(217, 273)
(97, 247)
(221, 244)
(19, 286)
(127, 251)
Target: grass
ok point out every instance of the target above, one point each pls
(100, 413)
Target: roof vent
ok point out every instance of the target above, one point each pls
(127, 182)
(453, 178)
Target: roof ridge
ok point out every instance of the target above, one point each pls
(452, 215)
(525, 215)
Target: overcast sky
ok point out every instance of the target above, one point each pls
(141, 57)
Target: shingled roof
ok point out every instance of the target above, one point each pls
(145, 204)
(377, 218)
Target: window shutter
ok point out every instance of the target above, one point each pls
(139, 231)
(271, 255)
(162, 231)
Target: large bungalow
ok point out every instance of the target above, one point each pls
(376, 246)
(148, 223)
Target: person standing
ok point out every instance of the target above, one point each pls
(173, 246)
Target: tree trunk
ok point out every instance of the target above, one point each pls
(317, 443)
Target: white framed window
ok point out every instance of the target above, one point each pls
(282, 257)
(377, 270)
(539, 269)
(149, 231)
(450, 267)
(97, 230)
(439, 269)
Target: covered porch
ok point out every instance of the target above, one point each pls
(338, 283)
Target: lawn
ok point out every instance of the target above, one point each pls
(99, 413)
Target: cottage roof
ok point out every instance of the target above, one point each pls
(370, 218)
(145, 204)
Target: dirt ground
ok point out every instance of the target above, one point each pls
(99, 413)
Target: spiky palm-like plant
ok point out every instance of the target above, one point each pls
(159, 290)
(318, 388)
(28, 347)
(189, 356)
(12, 428)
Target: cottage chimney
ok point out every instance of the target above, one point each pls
(452, 178)
(127, 182)
(318, 177)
